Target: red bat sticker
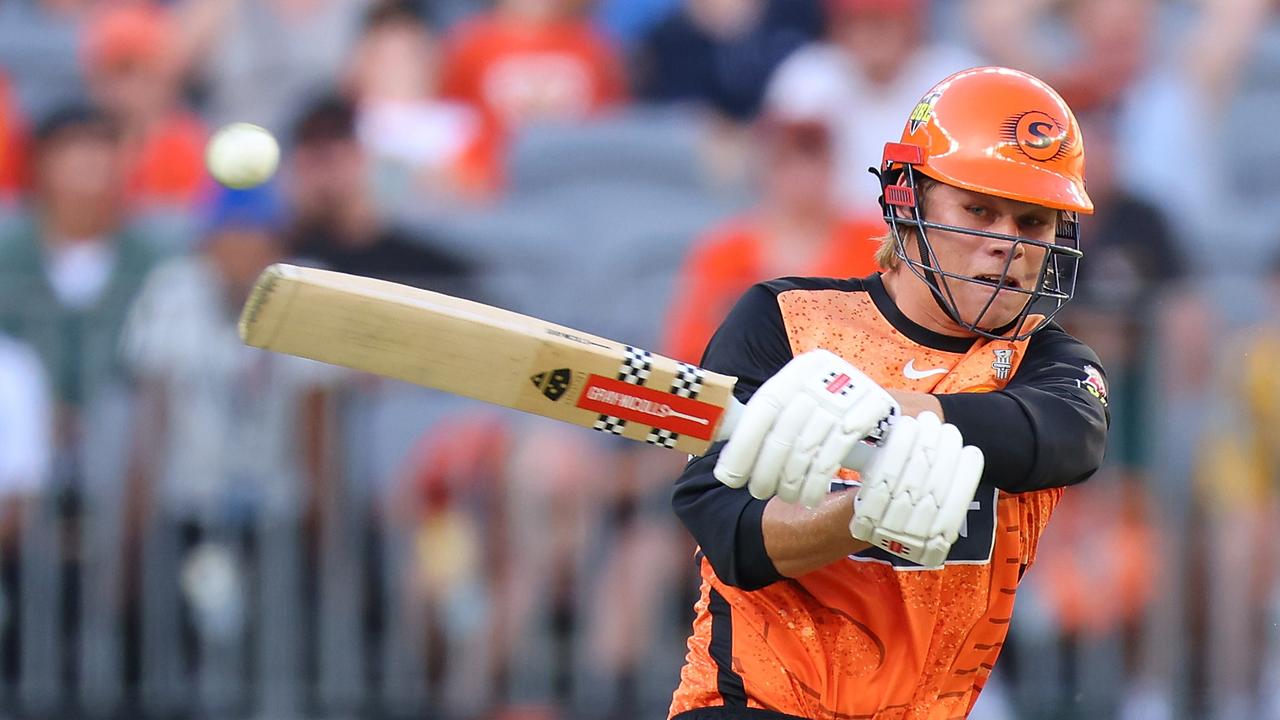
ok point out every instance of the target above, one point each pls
(663, 410)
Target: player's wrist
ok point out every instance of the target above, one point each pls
(914, 403)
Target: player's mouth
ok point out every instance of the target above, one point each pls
(996, 279)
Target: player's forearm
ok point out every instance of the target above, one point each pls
(800, 541)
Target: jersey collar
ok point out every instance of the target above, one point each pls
(914, 332)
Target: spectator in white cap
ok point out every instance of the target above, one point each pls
(867, 76)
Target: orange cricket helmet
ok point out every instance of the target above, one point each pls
(1000, 132)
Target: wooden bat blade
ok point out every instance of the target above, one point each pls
(486, 353)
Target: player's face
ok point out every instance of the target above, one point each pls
(985, 258)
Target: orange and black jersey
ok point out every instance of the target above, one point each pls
(873, 635)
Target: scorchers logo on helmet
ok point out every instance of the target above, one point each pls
(1038, 135)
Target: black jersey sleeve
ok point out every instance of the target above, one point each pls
(1048, 427)
(751, 345)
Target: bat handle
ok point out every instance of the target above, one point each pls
(858, 458)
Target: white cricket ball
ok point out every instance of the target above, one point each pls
(242, 155)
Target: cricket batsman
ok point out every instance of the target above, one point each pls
(887, 594)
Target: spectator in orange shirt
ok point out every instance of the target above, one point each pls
(531, 60)
(796, 228)
(423, 147)
(131, 74)
(12, 142)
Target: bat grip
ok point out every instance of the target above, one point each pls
(858, 458)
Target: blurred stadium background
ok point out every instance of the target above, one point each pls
(192, 529)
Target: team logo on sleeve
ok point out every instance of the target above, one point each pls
(553, 383)
(1093, 383)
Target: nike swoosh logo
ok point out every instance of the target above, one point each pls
(911, 372)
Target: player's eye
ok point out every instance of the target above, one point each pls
(977, 211)
(1034, 222)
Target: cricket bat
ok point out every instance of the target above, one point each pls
(494, 355)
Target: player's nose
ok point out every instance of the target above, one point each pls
(1007, 226)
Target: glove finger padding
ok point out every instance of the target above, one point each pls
(915, 495)
(799, 426)
(878, 480)
(778, 445)
(937, 485)
(792, 485)
(915, 474)
(908, 495)
(960, 492)
(817, 481)
(738, 456)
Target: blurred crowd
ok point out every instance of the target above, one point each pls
(192, 527)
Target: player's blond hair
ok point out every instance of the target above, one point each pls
(887, 252)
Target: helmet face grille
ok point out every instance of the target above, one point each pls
(1055, 284)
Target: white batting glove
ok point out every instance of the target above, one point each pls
(916, 490)
(799, 425)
